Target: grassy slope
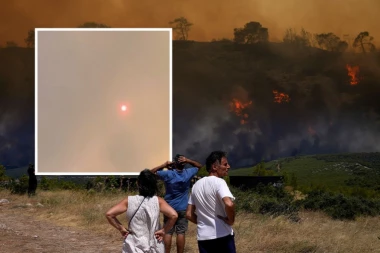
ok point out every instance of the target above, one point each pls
(321, 170)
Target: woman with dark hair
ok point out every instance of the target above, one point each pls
(144, 233)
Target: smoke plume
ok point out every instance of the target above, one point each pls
(211, 19)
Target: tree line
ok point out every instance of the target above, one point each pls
(254, 32)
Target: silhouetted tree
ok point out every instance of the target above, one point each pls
(331, 42)
(29, 40)
(252, 32)
(303, 39)
(181, 26)
(11, 44)
(93, 25)
(364, 42)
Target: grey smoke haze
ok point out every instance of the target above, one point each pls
(325, 114)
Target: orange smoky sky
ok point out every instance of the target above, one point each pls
(211, 19)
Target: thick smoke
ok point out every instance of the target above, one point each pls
(16, 107)
(325, 113)
(212, 19)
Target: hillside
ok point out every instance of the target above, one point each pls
(335, 172)
(267, 101)
(16, 172)
(258, 102)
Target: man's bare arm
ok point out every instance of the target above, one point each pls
(191, 162)
(160, 167)
(190, 214)
(194, 163)
(230, 211)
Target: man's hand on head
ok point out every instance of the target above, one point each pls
(182, 159)
(169, 165)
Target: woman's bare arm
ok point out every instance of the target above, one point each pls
(169, 212)
(114, 212)
(172, 215)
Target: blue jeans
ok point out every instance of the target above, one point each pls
(224, 244)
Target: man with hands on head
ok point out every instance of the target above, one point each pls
(211, 207)
(177, 180)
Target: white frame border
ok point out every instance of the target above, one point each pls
(36, 30)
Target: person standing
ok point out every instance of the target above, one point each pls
(144, 232)
(177, 180)
(211, 207)
(32, 183)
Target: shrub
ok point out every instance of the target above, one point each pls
(19, 186)
(265, 199)
(339, 206)
(45, 184)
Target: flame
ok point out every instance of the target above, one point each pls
(280, 97)
(353, 72)
(238, 107)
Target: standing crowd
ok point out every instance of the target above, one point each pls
(209, 205)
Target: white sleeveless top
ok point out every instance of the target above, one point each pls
(145, 222)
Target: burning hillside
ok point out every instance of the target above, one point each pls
(209, 114)
(353, 73)
(240, 109)
(280, 97)
(313, 88)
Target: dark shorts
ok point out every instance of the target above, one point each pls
(224, 244)
(181, 225)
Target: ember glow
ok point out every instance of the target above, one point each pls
(353, 72)
(280, 97)
(239, 108)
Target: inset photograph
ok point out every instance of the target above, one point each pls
(103, 100)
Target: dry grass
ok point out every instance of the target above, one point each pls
(254, 233)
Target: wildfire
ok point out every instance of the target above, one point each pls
(238, 108)
(353, 72)
(280, 97)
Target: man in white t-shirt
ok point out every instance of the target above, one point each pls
(211, 207)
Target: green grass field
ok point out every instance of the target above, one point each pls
(329, 171)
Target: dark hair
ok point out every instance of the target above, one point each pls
(215, 156)
(177, 157)
(147, 183)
